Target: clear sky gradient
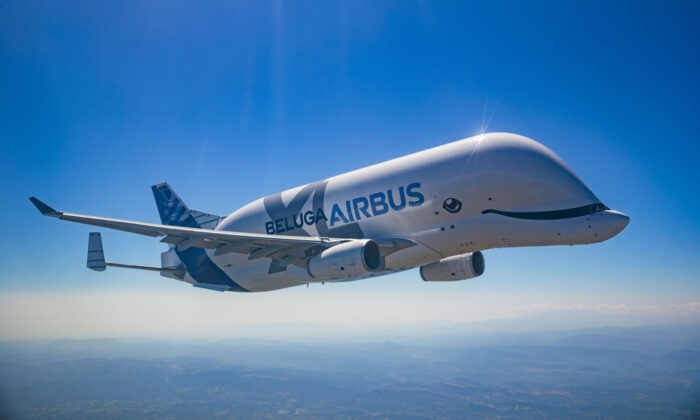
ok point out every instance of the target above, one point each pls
(231, 102)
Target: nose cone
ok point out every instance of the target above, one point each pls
(612, 222)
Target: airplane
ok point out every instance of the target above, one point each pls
(437, 210)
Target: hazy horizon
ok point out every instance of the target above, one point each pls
(328, 308)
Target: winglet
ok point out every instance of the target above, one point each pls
(44, 208)
(95, 254)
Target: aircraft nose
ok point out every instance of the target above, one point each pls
(615, 222)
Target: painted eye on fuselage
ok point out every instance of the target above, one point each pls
(452, 205)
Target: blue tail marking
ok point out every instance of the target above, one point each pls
(174, 212)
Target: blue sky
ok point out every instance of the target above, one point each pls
(230, 102)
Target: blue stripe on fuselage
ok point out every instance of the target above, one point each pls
(203, 269)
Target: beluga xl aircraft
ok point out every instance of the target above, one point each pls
(436, 209)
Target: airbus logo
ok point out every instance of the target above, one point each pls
(352, 210)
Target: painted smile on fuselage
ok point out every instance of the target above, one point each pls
(552, 214)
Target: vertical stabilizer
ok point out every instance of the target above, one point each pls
(173, 211)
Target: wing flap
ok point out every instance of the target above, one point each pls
(240, 247)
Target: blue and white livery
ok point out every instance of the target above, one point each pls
(436, 209)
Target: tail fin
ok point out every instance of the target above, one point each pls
(173, 211)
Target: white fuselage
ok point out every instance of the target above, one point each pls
(489, 191)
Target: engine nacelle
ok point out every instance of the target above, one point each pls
(458, 267)
(349, 259)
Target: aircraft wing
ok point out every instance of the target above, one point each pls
(286, 249)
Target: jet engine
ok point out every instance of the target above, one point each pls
(458, 267)
(349, 259)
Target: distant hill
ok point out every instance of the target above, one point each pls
(642, 372)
